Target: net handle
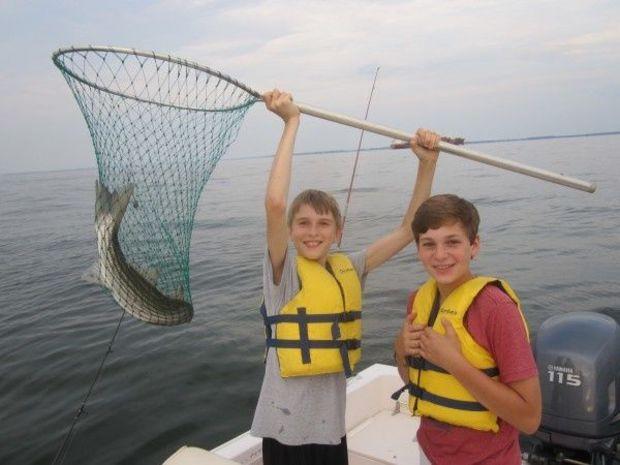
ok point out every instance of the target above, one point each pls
(498, 162)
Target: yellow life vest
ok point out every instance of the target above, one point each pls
(319, 331)
(435, 393)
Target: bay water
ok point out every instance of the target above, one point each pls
(197, 384)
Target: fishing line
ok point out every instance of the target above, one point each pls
(456, 141)
(357, 156)
(66, 444)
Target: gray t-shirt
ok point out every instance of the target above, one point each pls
(305, 409)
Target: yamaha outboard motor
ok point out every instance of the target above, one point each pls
(578, 358)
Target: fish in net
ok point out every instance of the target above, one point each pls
(158, 126)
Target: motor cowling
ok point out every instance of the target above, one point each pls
(578, 358)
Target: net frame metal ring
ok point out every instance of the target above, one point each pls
(157, 56)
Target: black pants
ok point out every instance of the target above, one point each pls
(275, 453)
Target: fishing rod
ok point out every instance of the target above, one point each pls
(451, 140)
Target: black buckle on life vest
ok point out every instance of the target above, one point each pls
(263, 312)
(396, 395)
(347, 317)
(418, 363)
(345, 347)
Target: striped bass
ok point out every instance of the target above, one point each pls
(134, 292)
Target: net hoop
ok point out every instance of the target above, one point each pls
(159, 125)
(60, 54)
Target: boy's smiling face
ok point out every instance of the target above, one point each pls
(313, 233)
(446, 253)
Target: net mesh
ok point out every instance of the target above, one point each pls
(158, 125)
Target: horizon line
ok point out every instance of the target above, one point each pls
(368, 149)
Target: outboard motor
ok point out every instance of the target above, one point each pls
(578, 358)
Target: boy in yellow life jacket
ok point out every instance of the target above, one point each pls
(463, 350)
(312, 305)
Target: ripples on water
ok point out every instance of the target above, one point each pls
(198, 383)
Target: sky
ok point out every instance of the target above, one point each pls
(475, 69)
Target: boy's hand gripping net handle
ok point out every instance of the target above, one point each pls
(453, 149)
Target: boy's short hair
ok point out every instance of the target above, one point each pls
(443, 209)
(320, 201)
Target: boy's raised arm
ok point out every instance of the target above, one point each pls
(424, 145)
(276, 196)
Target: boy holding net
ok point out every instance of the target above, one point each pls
(312, 306)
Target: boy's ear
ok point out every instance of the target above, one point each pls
(339, 232)
(475, 247)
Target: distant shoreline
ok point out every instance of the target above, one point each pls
(565, 136)
(473, 142)
(368, 149)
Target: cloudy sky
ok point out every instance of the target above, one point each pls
(476, 69)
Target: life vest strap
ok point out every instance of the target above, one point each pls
(423, 394)
(263, 312)
(420, 363)
(301, 317)
(343, 346)
(347, 344)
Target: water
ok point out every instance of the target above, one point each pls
(197, 384)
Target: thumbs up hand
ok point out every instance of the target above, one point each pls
(410, 335)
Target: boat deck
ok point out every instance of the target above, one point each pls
(385, 438)
(377, 432)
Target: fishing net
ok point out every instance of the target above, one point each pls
(158, 125)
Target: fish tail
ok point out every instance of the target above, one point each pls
(93, 275)
(112, 202)
(103, 199)
(120, 202)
